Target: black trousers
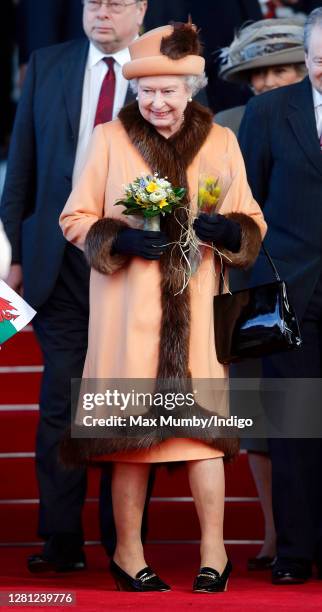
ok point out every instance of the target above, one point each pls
(61, 326)
(297, 463)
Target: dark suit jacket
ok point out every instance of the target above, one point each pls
(279, 141)
(41, 161)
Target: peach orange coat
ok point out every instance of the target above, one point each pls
(125, 309)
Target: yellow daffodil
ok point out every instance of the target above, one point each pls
(202, 193)
(151, 187)
(162, 204)
(208, 194)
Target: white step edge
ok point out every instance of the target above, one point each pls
(97, 543)
(94, 500)
(21, 369)
(15, 455)
(19, 407)
(239, 542)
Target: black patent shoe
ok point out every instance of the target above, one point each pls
(210, 581)
(40, 564)
(255, 564)
(145, 580)
(291, 571)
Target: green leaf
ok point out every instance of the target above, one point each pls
(179, 192)
(131, 212)
(148, 213)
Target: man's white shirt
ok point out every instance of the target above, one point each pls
(317, 101)
(95, 72)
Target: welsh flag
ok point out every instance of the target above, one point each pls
(15, 313)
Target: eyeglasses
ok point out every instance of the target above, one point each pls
(113, 7)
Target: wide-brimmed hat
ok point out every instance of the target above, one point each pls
(268, 42)
(171, 49)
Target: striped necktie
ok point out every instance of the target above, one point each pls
(104, 111)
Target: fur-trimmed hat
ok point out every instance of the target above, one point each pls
(268, 42)
(171, 49)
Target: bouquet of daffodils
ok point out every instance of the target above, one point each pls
(151, 196)
(208, 194)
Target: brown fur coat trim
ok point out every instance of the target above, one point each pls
(98, 246)
(171, 157)
(250, 242)
(78, 450)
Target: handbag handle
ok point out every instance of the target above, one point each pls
(270, 261)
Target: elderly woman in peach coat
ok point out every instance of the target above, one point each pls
(143, 323)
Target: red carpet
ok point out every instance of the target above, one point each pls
(171, 517)
(176, 563)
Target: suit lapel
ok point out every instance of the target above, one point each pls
(302, 120)
(73, 72)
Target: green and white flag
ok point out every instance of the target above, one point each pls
(15, 313)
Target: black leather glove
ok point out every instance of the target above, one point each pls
(149, 245)
(218, 229)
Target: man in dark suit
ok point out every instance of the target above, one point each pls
(281, 139)
(68, 88)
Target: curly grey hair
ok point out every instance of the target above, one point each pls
(194, 83)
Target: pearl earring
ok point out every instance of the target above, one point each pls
(190, 99)
(137, 97)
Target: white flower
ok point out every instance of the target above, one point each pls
(157, 196)
(163, 183)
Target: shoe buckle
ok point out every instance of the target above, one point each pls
(144, 578)
(208, 575)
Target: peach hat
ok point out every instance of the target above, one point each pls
(171, 49)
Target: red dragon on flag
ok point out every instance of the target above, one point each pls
(6, 311)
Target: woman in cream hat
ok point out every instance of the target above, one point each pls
(264, 55)
(145, 323)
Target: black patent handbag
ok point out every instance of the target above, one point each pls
(255, 322)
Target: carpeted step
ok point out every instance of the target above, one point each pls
(22, 349)
(168, 520)
(18, 429)
(18, 480)
(19, 387)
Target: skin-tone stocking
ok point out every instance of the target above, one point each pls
(207, 483)
(129, 488)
